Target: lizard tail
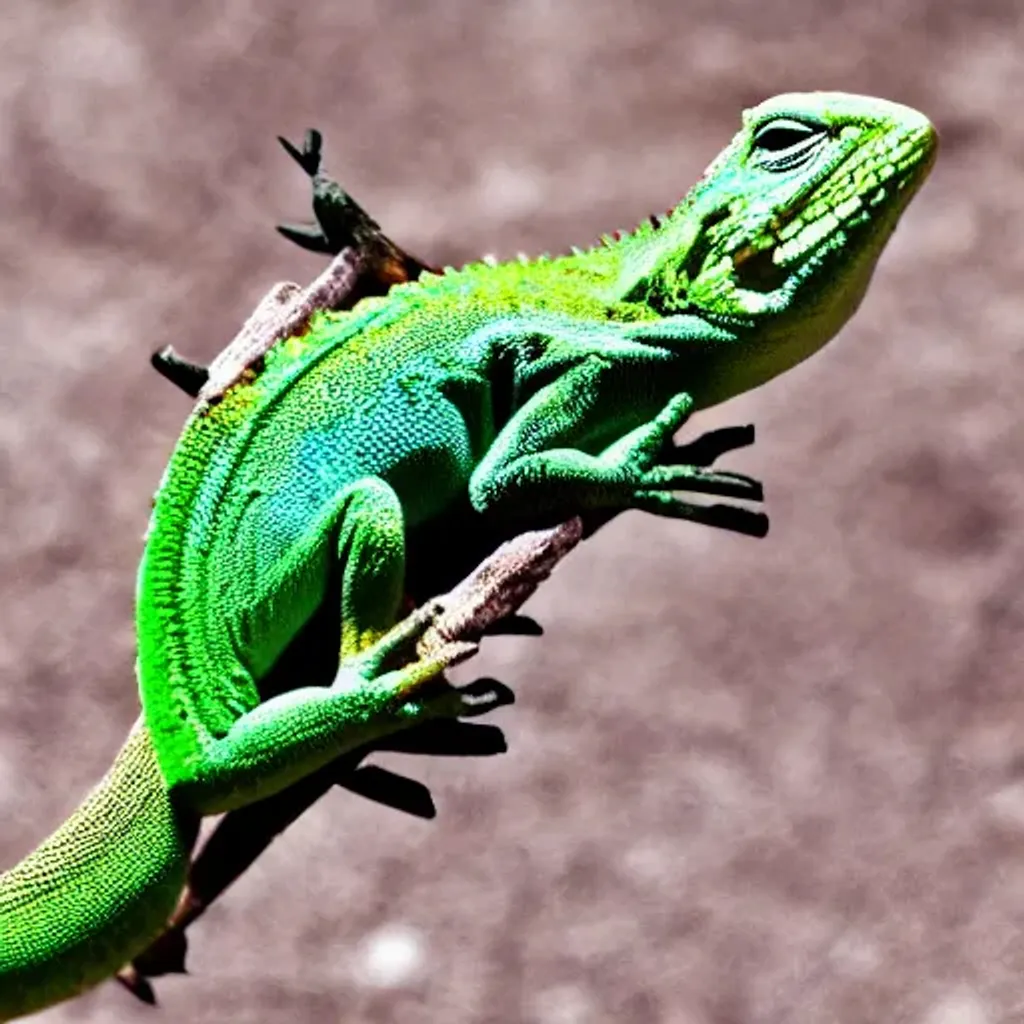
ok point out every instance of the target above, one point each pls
(97, 891)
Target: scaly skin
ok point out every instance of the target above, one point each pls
(529, 391)
(108, 876)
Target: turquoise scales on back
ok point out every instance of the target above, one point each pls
(529, 390)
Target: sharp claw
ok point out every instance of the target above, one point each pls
(190, 377)
(137, 984)
(294, 153)
(165, 956)
(724, 485)
(484, 695)
(307, 236)
(308, 158)
(738, 520)
(729, 485)
(724, 517)
(732, 485)
(312, 148)
(709, 447)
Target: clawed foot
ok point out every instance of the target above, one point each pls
(417, 687)
(313, 237)
(653, 467)
(703, 452)
(340, 221)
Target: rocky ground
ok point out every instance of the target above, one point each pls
(749, 782)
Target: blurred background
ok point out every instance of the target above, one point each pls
(749, 781)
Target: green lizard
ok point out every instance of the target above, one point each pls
(521, 392)
(370, 263)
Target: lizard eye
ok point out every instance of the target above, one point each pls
(783, 145)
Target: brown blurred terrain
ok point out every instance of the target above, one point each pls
(776, 781)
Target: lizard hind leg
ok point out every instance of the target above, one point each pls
(376, 691)
(371, 552)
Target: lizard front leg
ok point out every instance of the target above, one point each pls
(534, 463)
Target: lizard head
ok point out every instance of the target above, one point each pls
(777, 242)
